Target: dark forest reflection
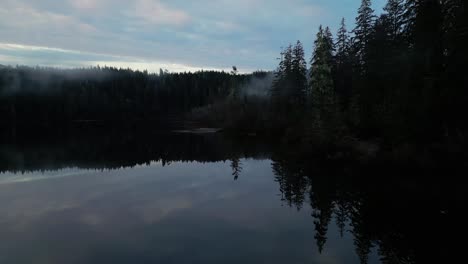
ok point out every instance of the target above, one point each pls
(405, 213)
(104, 147)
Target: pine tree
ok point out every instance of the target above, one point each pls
(342, 43)
(409, 20)
(324, 104)
(381, 75)
(330, 45)
(362, 90)
(283, 90)
(288, 66)
(362, 32)
(280, 76)
(321, 81)
(342, 66)
(299, 71)
(395, 10)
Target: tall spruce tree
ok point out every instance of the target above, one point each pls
(395, 14)
(342, 66)
(362, 97)
(330, 45)
(342, 42)
(288, 66)
(325, 113)
(299, 74)
(381, 75)
(283, 75)
(409, 20)
(285, 95)
(279, 76)
(362, 32)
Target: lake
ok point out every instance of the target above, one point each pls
(107, 196)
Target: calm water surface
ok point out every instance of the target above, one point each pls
(207, 203)
(181, 213)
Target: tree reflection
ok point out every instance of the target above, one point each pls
(341, 216)
(374, 201)
(321, 201)
(236, 167)
(108, 147)
(291, 180)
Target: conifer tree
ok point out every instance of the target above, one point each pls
(288, 66)
(362, 32)
(330, 45)
(324, 106)
(342, 71)
(283, 88)
(280, 78)
(395, 13)
(299, 73)
(409, 20)
(342, 43)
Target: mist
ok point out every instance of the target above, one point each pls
(259, 85)
(44, 80)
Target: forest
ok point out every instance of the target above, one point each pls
(396, 77)
(53, 96)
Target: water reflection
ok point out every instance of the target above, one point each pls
(113, 148)
(103, 196)
(404, 212)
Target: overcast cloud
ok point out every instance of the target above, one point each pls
(178, 35)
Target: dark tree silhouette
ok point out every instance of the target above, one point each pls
(236, 167)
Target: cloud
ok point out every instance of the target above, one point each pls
(205, 33)
(35, 55)
(85, 4)
(13, 47)
(158, 13)
(24, 18)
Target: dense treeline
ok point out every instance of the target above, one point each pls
(400, 76)
(45, 95)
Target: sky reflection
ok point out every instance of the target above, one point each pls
(182, 213)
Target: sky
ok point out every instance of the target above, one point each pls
(177, 35)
